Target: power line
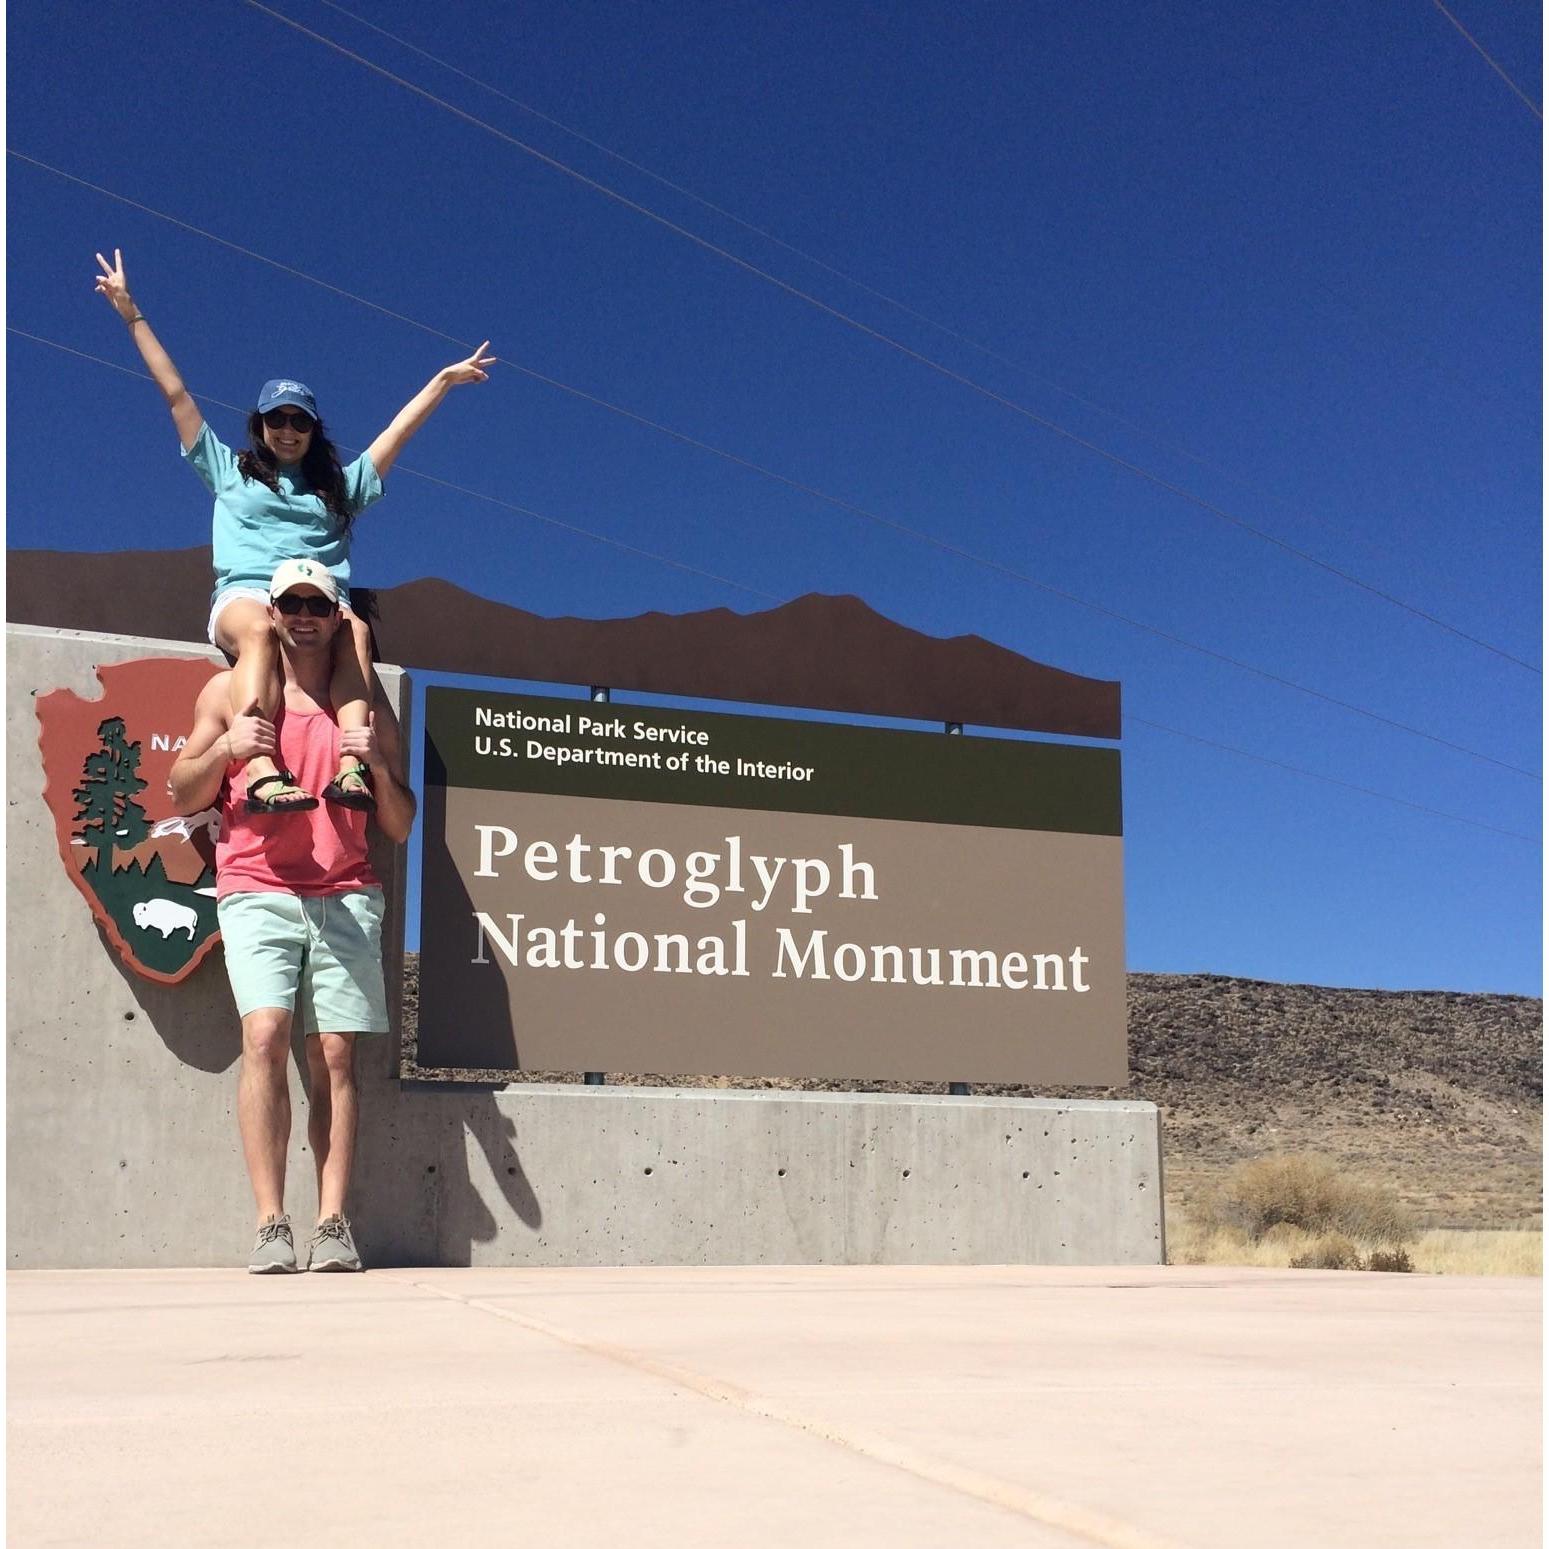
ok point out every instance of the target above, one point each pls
(1011, 404)
(1000, 568)
(989, 564)
(1532, 106)
(615, 543)
(400, 467)
(1162, 442)
(428, 478)
(764, 234)
(235, 247)
(1365, 790)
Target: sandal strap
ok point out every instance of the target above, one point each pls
(284, 777)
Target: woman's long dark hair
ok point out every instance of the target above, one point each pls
(320, 468)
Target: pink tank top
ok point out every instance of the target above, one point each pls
(310, 854)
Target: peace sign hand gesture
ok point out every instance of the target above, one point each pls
(470, 370)
(114, 284)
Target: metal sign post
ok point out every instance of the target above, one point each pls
(956, 1088)
(600, 696)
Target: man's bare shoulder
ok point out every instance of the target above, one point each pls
(215, 696)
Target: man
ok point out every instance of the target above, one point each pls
(300, 909)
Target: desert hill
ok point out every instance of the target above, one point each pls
(1438, 1092)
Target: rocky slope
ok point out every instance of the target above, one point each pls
(1440, 1093)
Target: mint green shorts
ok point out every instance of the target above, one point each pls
(319, 958)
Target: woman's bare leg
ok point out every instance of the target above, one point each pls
(350, 690)
(245, 630)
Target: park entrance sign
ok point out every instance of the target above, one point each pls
(147, 875)
(618, 888)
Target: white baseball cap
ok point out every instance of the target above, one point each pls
(303, 572)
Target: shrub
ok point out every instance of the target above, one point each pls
(1333, 1250)
(1390, 1261)
(1309, 1192)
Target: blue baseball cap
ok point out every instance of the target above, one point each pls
(283, 390)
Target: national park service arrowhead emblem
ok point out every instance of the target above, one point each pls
(148, 875)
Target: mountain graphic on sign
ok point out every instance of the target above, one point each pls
(819, 652)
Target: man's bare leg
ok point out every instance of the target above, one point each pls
(334, 1117)
(263, 1106)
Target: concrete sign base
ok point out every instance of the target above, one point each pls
(544, 1175)
(122, 1147)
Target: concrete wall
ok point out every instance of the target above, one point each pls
(122, 1145)
(631, 1175)
(121, 1137)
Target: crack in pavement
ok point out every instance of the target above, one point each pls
(1080, 1522)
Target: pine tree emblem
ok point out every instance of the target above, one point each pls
(110, 781)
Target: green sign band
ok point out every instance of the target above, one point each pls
(480, 740)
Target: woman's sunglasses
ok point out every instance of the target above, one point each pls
(278, 419)
(290, 604)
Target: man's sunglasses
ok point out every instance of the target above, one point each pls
(290, 604)
(278, 419)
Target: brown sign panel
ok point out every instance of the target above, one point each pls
(627, 889)
(819, 652)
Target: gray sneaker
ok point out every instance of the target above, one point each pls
(332, 1246)
(275, 1251)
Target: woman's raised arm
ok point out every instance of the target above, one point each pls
(384, 451)
(113, 284)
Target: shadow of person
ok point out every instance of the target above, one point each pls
(196, 1018)
(495, 1132)
(423, 1191)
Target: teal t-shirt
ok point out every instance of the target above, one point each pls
(257, 528)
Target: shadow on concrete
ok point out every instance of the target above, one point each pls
(196, 1019)
(496, 1135)
(416, 1201)
(422, 1195)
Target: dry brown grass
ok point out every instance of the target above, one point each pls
(1518, 1252)
(1300, 1211)
(1190, 1241)
(1432, 1253)
(1309, 1194)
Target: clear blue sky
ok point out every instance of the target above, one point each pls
(1284, 257)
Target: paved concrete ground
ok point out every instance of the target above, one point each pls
(1131, 1408)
